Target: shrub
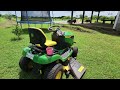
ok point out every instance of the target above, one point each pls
(17, 31)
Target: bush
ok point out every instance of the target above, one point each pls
(106, 17)
(17, 31)
(7, 16)
(94, 17)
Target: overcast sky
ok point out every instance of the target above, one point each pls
(68, 13)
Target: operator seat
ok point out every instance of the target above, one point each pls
(38, 37)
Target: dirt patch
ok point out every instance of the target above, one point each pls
(7, 24)
(102, 28)
(77, 29)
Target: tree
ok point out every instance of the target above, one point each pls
(17, 31)
(7, 16)
(103, 17)
(94, 17)
(76, 16)
(86, 18)
(81, 16)
(111, 17)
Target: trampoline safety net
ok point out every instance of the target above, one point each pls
(41, 16)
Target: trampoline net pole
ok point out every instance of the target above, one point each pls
(27, 19)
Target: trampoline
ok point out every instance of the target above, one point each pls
(34, 17)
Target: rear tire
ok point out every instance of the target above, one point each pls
(25, 64)
(75, 51)
(53, 71)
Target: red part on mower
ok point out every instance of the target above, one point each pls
(49, 50)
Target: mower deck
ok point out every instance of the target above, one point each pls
(77, 69)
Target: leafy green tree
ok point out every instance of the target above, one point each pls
(81, 16)
(17, 31)
(94, 17)
(7, 16)
(103, 17)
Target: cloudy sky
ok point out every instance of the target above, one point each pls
(68, 13)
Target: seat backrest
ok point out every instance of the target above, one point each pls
(37, 36)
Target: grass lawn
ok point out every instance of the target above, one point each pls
(99, 53)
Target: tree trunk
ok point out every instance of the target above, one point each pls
(71, 17)
(91, 17)
(98, 16)
(83, 17)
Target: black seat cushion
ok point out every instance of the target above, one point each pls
(36, 36)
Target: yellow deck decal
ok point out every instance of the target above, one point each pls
(80, 69)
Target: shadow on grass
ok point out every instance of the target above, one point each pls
(102, 28)
(25, 30)
(30, 75)
(16, 39)
(27, 75)
(8, 27)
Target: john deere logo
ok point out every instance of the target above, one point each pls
(32, 35)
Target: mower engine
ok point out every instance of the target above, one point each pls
(63, 39)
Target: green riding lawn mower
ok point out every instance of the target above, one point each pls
(51, 59)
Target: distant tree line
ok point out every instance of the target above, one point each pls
(8, 16)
